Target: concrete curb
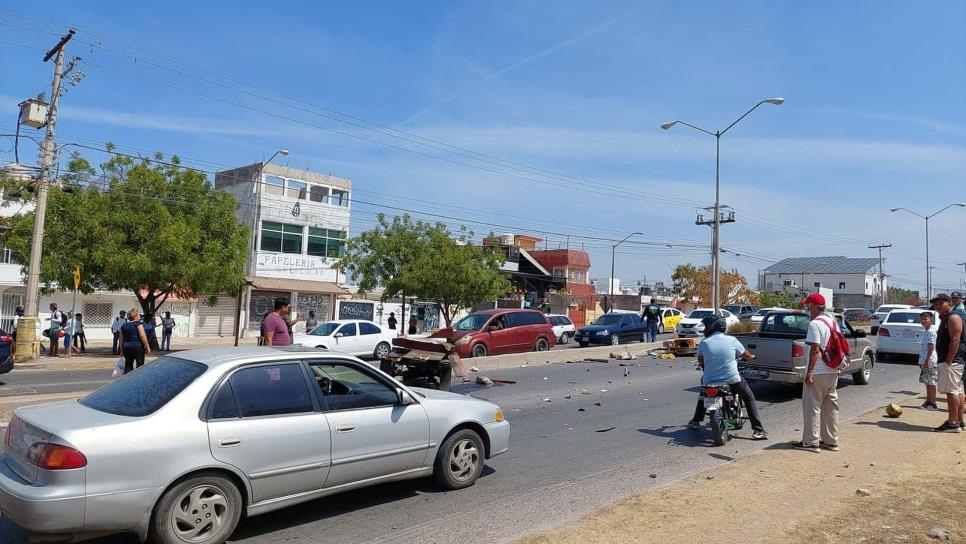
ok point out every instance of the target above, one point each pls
(533, 358)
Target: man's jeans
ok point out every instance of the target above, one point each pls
(114, 351)
(652, 327)
(820, 404)
(747, 396)
(165, 340)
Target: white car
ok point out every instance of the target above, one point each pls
(353, 336)
(880, 314)
(759, 316)
(901, 332)
(691, 325)
(563, 327)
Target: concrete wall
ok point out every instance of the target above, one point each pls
(855, 284)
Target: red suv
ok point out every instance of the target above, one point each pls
(494, 332)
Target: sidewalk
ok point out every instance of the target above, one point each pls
(915, 477)
(98, 354)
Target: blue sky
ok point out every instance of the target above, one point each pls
(874, 115)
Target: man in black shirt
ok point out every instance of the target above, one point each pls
(652, 317)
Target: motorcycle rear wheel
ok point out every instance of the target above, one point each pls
(719, 431)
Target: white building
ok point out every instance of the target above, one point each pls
(300, 223)
(854, 282)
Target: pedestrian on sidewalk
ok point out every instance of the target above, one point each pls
(951, 351)
(392, 321)
(290, 324)
(150, 330)
(275, 326)
(54, 332)
(68, 331)
(412, 324)
(116, 329)
(311, 323)
(17, 314)
(958, 307)
(133, 341)
(167, 328)
(928, 362)
(652, 318)
(820, 398)
(421, 319)
(79, 337)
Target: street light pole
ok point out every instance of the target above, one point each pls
(256, 220)
(613, 254)
(926, 218)
(716, 222)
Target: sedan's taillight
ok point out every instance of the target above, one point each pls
(884, 332)
(55, 456)
(6, 338)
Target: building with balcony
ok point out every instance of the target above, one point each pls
(300, 223)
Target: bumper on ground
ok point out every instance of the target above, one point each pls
(39, 508)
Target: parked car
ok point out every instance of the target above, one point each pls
(692, 326)
(901, 332)
(491, 332)
(882, 311)
(353, 336)
(780, 347)
(857, 315)
(178, 450)
(563, 328)
(612, 328)
(6, 352)
(761, 313)
(670, 317)
(742, 311)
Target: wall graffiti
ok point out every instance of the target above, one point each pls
(356, 310)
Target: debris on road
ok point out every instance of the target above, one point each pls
(483, 380)
(547, 400)
(504, 381)
(862, 492)
(652, 475)
(598, 404)
(940, 534)
(474, 369)
(603, 390)
(581, 410)
(604, 430)
(893, 410)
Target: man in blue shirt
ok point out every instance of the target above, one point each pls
(718, 355)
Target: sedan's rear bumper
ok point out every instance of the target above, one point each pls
(39, 508)
(887, 344)
(6, 366)
(499, 434)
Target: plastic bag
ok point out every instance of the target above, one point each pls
(118, 368)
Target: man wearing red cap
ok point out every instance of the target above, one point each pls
(820, 398)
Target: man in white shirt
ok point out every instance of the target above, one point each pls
(116, 329)
(820, 398)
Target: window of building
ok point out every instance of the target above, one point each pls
(98, 314)
(274, 185)
(281, 237)
(559, 272)
(787, 283)
(326, 242)
(6, 256)
(339, 198)
(818, 284)
(841, 285)
(296, 189)
(317, 193)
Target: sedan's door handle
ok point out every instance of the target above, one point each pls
(229, 442)
(344, 428)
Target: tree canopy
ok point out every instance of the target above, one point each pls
(695, 282)
(146, 226)
(425, 260)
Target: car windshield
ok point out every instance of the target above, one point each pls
(905, 317)
(325, 329)
(472, 322)
(699, 314)
(733, 309)
(609, 319)
(146, 389)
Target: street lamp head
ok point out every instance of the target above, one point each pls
(642, 234)
(283, 152)
(778, 101)
(961, 205)
(894, 210)
(668, 125)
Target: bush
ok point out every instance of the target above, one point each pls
(744, 326)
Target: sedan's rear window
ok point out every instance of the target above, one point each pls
(906, 317)
(147, 389)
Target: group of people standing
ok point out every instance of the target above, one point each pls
(135, 337)
(65, 328)
(942, 357)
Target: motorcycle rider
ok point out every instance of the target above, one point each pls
(717, 356)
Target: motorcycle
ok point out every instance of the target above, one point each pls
(725, 410)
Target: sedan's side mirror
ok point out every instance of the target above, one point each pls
(403, 398)
(338, 335)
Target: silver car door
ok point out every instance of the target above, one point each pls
(372, 435)
(265, 421)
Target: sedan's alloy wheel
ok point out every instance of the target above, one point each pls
(199, 513)
(464, 460)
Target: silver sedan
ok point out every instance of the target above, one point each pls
(178, 450)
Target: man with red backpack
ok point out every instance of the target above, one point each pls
(827, 353)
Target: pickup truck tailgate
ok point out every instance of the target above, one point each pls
(777, 359)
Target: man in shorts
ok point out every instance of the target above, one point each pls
(928, 362)
(951, 352)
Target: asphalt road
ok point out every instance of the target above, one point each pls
(563, 462)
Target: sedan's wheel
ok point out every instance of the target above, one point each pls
(382, 350)
(564, 339)
(459, 461)
(201, 510)
(615, 340)
(660, 329)
(542, 344)
(479, 350)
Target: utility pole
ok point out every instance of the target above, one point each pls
(882, 289)
(26, 347)
(720, 217)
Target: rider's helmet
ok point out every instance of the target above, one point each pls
(713, 324)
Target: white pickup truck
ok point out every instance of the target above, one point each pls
(780, 348)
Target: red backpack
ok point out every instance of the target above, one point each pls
(837, 350)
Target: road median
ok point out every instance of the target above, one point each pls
(893, 480)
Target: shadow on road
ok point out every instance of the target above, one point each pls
(677, 435)
(898, 426)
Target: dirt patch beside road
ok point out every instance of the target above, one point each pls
(916, 478)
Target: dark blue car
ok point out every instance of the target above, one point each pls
(6, 352)
(612, 329)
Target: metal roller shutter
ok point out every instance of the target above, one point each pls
(217, 320)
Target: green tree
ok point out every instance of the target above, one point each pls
(148, 227)
(695, 282)
(427, 261)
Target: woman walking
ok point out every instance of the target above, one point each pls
(133, 341)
